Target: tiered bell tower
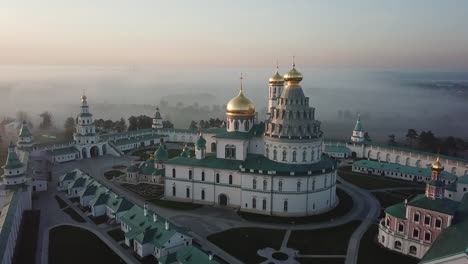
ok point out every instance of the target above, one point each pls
(157, 120)
(85, 128)
(14, 169)
(275, 88)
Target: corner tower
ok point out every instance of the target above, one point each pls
(358, 132)
(14, 169)
(25, 139)
(292, 135)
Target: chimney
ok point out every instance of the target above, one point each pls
(145, 209)
(167, 225)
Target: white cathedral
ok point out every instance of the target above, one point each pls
(274, 167)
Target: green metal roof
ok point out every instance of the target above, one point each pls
(132, 168)
(453, 240)
(118, 204)
(215, 130)
(161, 154)
(256, 131)
(397, 210)
(8, 224)
(69, 176)
(358, 126)
(463, 179)
(185, 152)
(12, 161)
(444, 205)
(200, 143)
(147, 167)
(336, 149)
(62, 151)
(210, 161)
(394, 167)
(436, 183)
(451, 187)
(259, 162)
(192, 255)
(24, 132)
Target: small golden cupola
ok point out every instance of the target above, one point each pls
(276, 79)
(437, 166)
(240, 105)
(293, 77)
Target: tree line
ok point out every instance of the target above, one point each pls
(427, 141)
(202, 125)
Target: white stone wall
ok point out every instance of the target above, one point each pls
(240, 145)
(312, 197)
(387, 239)
(313, 151)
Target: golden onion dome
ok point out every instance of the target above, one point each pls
(437, 165)
(83, 97)
(276, 79)
(293, 77)
(240, 105)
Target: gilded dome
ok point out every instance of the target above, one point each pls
(293, 77)
(437, 165)
(240, 105)
(276, 79)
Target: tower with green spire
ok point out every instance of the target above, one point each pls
(14, 169)
(25, 139)
(358, 132)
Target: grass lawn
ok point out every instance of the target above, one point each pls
(371, 252)
(321, 260)
(174, 204)
(144, 154)
(25, 250)
(145, 190)
(345, 205)
(62, 204)
(328, 241)
(74, 215)
(73, 245)
(112, 174)
(373, 182)
(117, 234)
(243, 243)
(99, 220)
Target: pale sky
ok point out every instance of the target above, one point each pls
(397, 34)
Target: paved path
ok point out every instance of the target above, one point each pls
(207, 220)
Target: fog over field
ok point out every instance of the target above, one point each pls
(389, 102)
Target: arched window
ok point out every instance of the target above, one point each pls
(230, 151)
(427, 236)
(304, 156)
(438, 222)
(190, 174)
(187, 192)
(173, 173)
(280, 186)
(230, 179)
(312, 155)
(284, 155)
(217, 177)
(401, 227)
(397, 245)
(173, 190)
(203, 176)
(236, 125)
(294, 154)
(254, 184)
(247, 124)
(267, 153)
(264, 204)
(285, 206)
(313, 185)
(416, 233)
(275, 154)
(427, 220)
(325, 182)
(416, 217)
(298, 186)
(265, 185)
(254, 203)
(203, 194)
(413, 250)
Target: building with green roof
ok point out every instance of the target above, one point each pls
(14, 171)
